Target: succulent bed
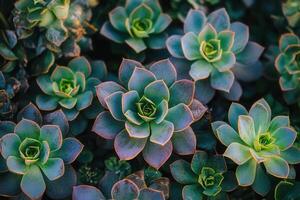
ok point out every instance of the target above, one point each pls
(149, 99)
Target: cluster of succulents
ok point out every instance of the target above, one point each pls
(149, 99)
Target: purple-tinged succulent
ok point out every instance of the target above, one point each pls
(254, 140)
(37, 156)
(140, 24)
(206, 176)
(287, 64)
(72, 88)
(135, 187)
(218, 52)
(151, 112)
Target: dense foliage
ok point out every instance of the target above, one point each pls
(149, 99)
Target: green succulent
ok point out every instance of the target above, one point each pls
(291, 10)
(48, 14)
(254, 139)
(218, 52)
(89, 174)
(150, 113)
(140, 24)
(287, 64)
(58, 25)
(204, 177)
(120, 167)
(72, 88)
(37, 154)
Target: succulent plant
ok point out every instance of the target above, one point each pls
(135, 187)
(151, 112)
(115, 170)
(287, 64)
(287, 190)
(140, 24)
(219, 53)
(57, 25)
(206, 177)
(253, 139)
(9, 87)
(291, 10)
(72, 88)
(37, 154)
(12, 53)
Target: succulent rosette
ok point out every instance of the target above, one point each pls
(29, 14)
(140, 24)
(291, 10)
(56, 25)
(218, 52)
(287, 64)
(253, 140)
(72, 88)
(37, 156)
(151, 112)
(134, 186)
(205, 177)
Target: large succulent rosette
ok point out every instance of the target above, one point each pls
(258, 144)
(35, 157)
(72, 89)
(140, 24)
(217, 53)
(151, 112)
(287, 64)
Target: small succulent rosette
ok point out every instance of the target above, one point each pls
(258, 144)
(35, 157)
(291, 10)
(135, 187)
(287, 64)
(140, 24)
(218, 54)
(72, 88)
(206, 177)
(151, 112)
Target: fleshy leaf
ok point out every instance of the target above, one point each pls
(277, 167)
(194, 21)
(33, 184)
(156, 155)
(238, 153)
(127, 147)
(185, 119)
(182, 173)
(161, 133)
(184, 142)
(246, 172)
